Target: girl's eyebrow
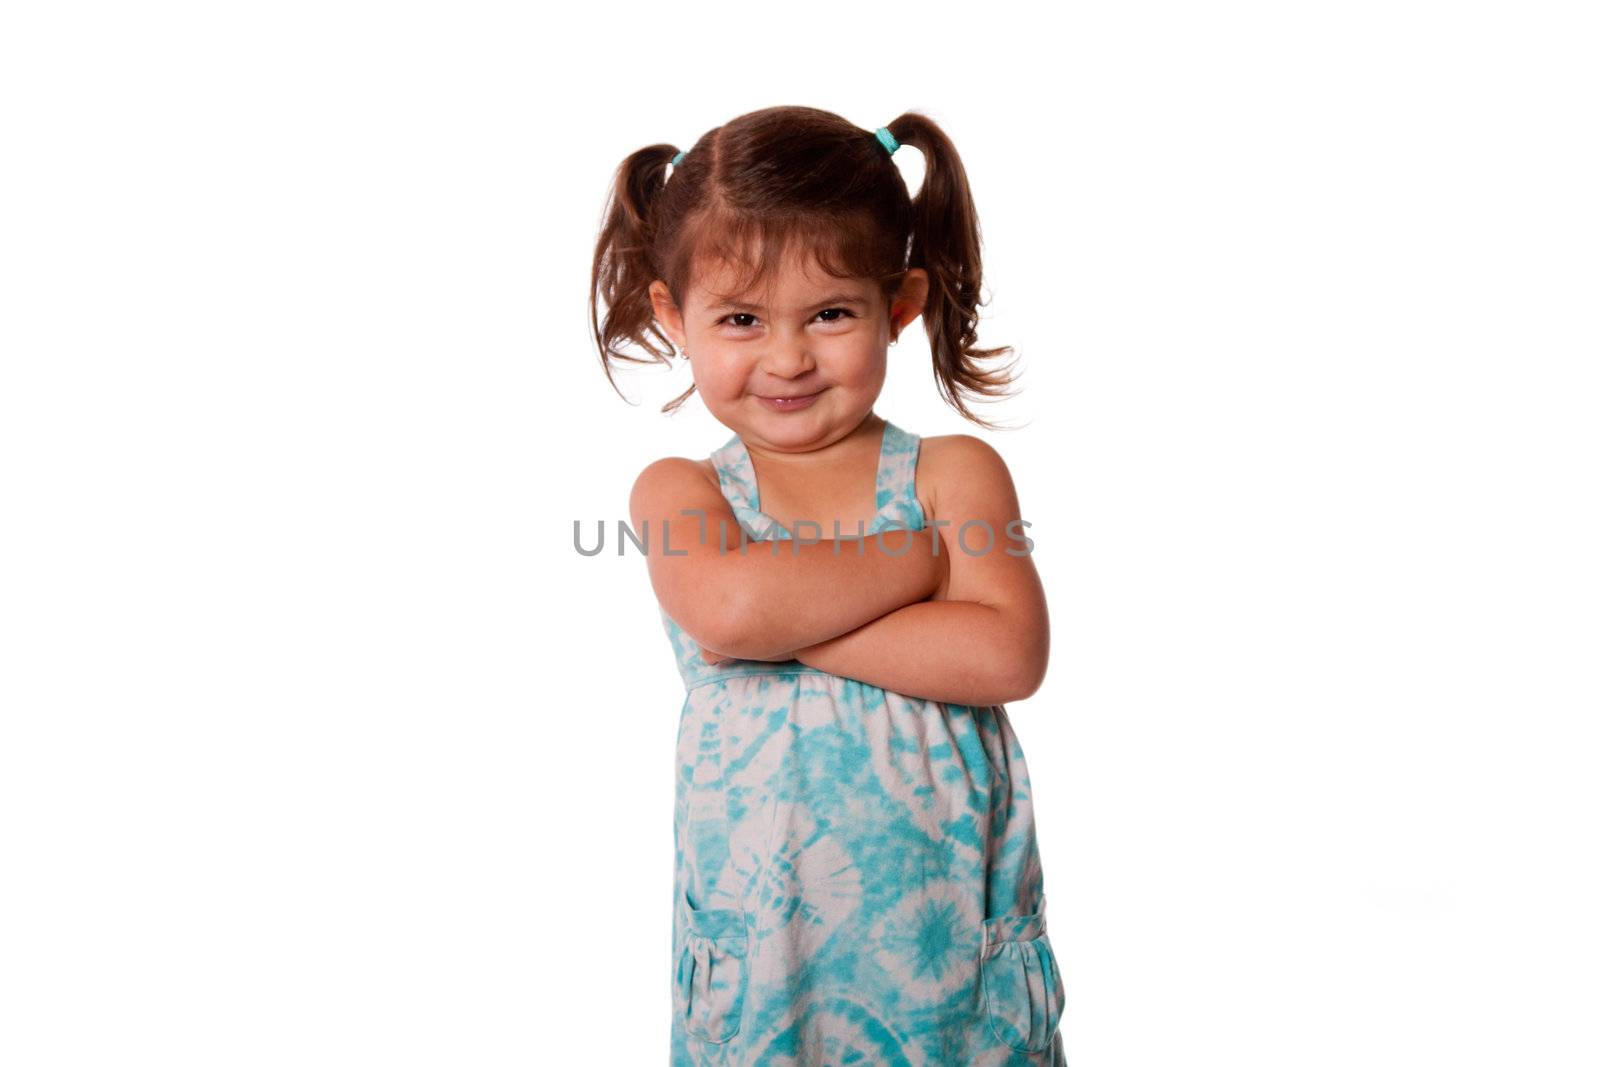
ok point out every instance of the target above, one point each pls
(736, 305)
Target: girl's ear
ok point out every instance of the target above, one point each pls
(667, 313)
(908, 302)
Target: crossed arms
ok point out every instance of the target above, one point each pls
(914, 612)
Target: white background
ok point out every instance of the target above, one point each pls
(322, 745)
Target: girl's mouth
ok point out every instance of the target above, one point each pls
(794, 403)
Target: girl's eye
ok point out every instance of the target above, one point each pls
(844, 313)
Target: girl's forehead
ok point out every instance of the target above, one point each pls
(787, 283)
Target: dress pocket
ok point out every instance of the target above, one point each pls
(1021, 983)
(712, 968)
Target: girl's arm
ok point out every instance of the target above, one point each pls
(769, 597)
(953, 651)
(986, 639)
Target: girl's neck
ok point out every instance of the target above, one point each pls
(836, 482)
(869, 429)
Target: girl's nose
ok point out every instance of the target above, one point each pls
(788, 358)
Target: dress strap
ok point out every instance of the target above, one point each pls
(735, 475)
(898, 506)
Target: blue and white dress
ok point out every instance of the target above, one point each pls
(857, 879)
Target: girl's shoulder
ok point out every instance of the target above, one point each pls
(959, 467)
(956, 452)
(671, 482)
(682, 466)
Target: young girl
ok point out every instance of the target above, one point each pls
(857, 879)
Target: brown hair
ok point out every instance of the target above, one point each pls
(801, 177)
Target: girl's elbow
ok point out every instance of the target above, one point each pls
(750, 630)
(726, 627)
(712, 611)
(1022, 652)
(1024, 678)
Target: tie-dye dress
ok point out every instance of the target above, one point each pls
(857, 879)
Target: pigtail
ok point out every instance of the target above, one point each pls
(624, 268)
(946, 242)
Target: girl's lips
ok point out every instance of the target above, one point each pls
(789, 404)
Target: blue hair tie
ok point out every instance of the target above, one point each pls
(678, 159)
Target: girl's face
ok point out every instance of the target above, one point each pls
(796, 366)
